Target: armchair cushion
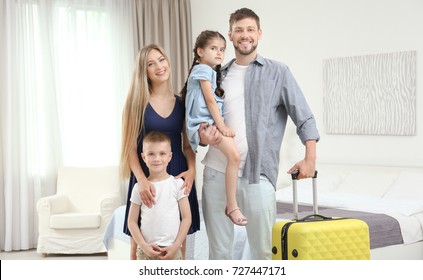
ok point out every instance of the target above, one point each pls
(75, 221)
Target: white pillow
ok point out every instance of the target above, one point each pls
(367, 183)
(408, 186)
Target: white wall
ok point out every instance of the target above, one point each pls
(302, 34)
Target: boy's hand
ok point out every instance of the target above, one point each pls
(152, 250)
(168, 253)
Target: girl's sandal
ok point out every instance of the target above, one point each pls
(239, 221)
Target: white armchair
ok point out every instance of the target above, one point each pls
(73, 221)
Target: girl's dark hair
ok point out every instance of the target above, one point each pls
(201, 42)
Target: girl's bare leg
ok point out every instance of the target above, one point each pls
(228, 148)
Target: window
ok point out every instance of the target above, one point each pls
(88, 111)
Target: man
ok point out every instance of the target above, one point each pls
(260, 95)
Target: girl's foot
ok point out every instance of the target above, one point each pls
(238, 220)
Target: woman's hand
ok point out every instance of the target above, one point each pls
(226, 131)
(147, 192)
(189, 177)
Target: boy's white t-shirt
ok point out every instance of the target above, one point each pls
(160, 223)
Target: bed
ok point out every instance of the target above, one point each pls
(389, 199)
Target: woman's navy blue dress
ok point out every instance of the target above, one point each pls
(172, 126)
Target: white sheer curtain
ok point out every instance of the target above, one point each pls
(90, 101)
(65, 70)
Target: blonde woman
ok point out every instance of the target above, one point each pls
(151, 105)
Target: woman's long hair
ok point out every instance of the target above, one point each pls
(135, 104)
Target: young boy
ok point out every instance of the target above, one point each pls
(164, 226)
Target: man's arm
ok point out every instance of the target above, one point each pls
(307, 166)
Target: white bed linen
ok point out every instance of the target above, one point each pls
(115, 227)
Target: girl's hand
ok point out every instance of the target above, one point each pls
(226, 131)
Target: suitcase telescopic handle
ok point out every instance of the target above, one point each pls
(294, 176)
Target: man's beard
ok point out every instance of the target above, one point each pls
(247, 52)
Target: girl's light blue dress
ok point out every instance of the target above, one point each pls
(197, 111)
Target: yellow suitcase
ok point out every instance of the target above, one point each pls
(316, 237)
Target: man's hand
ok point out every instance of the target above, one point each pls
(306, 169)
(209, 134)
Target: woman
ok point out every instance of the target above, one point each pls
(151, 105)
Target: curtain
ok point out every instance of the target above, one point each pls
(65, 71)
(29, 127)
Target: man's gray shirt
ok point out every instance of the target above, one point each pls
(271, 94)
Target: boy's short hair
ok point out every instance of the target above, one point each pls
(156, 137)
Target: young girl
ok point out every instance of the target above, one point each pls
(203, 101)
